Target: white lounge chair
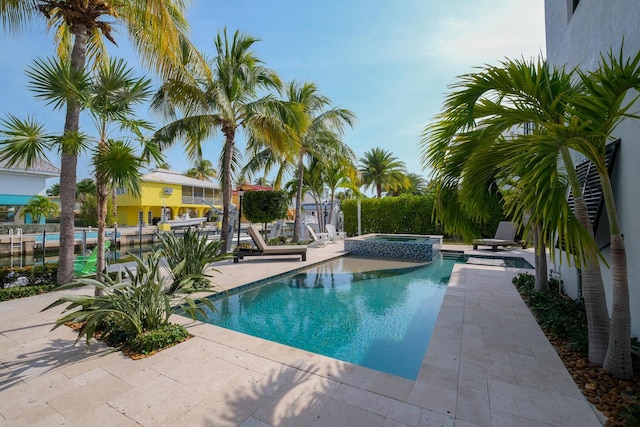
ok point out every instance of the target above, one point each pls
(505, 236)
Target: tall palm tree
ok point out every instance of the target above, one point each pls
(467, 149)
(319, 137)
(381, 170)
(109, 98)
(226, 100)
(339, 175)
(157, 29)
(202, 169)
(602, 106)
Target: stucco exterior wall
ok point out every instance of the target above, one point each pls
(577, 40)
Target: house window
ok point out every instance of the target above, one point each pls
(140, 217)
(149, 218)
(120, 190)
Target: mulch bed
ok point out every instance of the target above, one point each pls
(610, 395)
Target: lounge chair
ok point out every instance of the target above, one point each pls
(263, 249)
(333, 234)
(505, 236)
(319, 239)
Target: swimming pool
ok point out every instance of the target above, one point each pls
(348, 309)
(77, 235)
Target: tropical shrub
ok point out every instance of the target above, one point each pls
(189, 256)
(265, 206)
(558, 314)
(24, 291)
(89, 211)
(164, 336)
(126, 310)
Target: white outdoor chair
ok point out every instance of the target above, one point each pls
(333, 234)
(319, 239)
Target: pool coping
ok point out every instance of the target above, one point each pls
(488, 363)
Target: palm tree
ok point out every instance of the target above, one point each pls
(228, 100)
(341, 175)
(54, 190)
(381, 170)
(417, 186)
(157, 29)
(203, 170)
(85, 186)
(109, 98)
(466, 157)
(600, 109)
(319, 139)
(163, 165)
(40, 207)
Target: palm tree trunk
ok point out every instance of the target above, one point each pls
(618, 358)
(103, 195)
(297, 226)
(592, 286)
(542, 281)
(229, 134)
(68, 165)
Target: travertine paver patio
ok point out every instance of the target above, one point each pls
(488, 363)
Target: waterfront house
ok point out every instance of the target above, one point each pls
(18, 184)
(169, 195)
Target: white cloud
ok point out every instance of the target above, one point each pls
(498, 30)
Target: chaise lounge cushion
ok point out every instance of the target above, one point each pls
(505, 236)
(264, 249)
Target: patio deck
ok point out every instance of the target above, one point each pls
(487, 364)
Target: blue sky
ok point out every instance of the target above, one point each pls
(388, 62)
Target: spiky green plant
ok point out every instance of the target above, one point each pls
(189, 255)
(132, 306)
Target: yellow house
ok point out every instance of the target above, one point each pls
(168, 192)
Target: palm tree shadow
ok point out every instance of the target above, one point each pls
(288, 396)
(28, 365)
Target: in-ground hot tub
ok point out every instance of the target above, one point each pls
(398, 246)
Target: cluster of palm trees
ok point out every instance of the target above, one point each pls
(478, 144)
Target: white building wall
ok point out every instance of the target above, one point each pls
(577, 40)
(22, 185)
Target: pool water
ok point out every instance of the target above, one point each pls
(378, 318)
(77, 235)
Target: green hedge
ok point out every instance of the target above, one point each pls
(24, 291)
(406, 214)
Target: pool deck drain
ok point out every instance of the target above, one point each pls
(488, 363)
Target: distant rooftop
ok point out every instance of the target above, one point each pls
(39, 167)
(167, 176)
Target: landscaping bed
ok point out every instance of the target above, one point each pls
(564, 322)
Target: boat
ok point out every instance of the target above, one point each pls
(186, 221)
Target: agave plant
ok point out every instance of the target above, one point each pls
(129, 307)
(189, 256)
